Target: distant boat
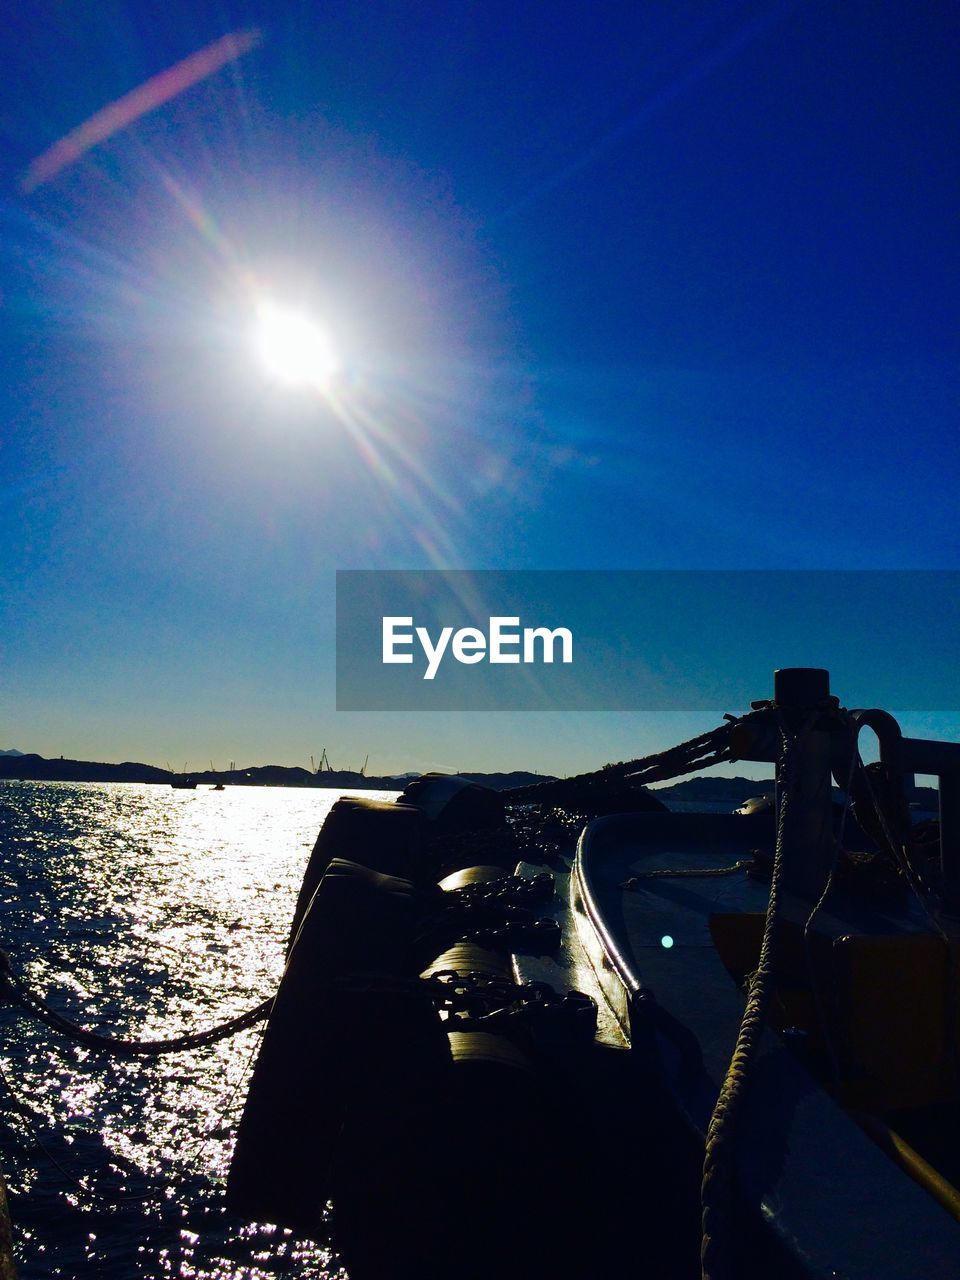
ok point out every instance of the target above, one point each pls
(219, 787)
(183, 784)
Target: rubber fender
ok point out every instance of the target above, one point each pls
(470, 1048)
(326, 1046)
(380, 834)
(452, 804)
(382, 881)
(368, 912)
(477, 1184)
(466, 957)
(472, 875)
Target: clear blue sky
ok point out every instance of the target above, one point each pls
(613, 286)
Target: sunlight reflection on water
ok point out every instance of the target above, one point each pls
(141, 910)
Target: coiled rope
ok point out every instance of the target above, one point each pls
(716, 1188)
(13, 989)
(672, 873)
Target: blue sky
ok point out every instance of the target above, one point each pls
(613, 286)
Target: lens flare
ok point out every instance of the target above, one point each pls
(148, 97)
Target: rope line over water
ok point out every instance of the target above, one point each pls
(16, 993)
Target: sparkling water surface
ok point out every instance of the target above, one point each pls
(144, 911)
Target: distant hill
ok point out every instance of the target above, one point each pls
(716, 790)
(706, 789)
(33, 768)
(506, 781)
(736, 791)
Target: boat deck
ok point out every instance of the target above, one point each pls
(825, 1187)
(569, 968)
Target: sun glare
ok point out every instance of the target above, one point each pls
(293, 348)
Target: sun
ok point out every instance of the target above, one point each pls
(294, 349)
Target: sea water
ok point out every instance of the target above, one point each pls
(142, 911)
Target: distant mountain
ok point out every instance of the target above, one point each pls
(33, 768)
(716, 790)
(507, 781)
(735, 791)
(699, 790)
(29, 767)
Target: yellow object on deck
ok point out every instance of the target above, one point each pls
(913, 1163)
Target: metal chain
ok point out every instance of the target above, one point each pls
(479, 1001)
(504, 891)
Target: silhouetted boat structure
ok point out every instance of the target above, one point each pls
(725, 1041)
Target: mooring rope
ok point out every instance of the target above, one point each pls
(670, 873)
(697, 753)
(25, 1001)
(716, 1189)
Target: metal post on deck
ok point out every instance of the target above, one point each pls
(920, 755)
(950, 843)
(808, 849)
(799, 692)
